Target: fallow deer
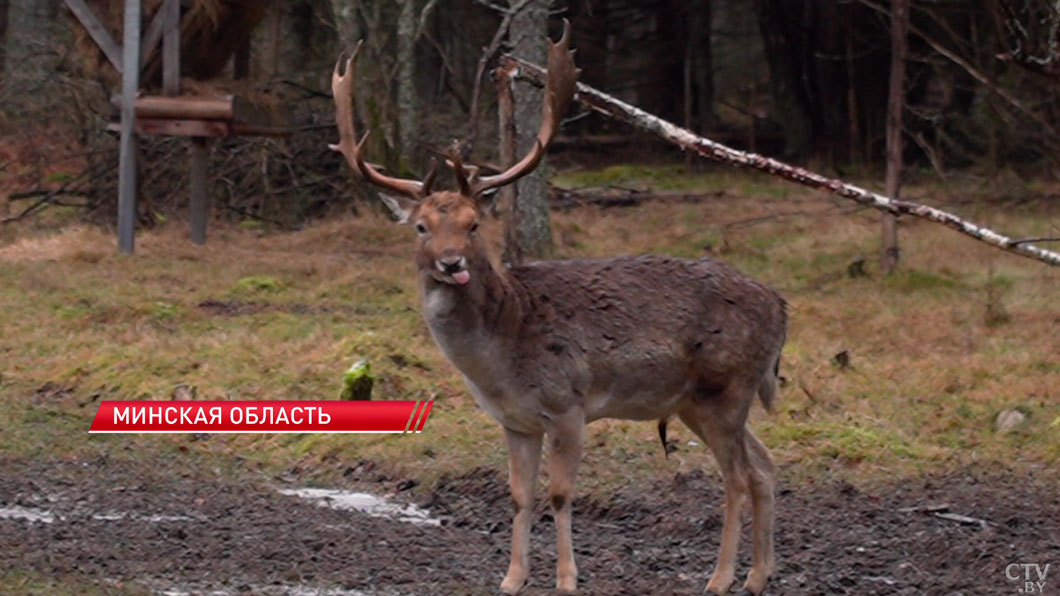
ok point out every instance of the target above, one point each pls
(547, 347)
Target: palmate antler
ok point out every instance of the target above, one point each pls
(350, 148)
(562, 76)
(559, 89)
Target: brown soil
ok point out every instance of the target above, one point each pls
(237, 534)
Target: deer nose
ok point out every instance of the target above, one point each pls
(452, 264)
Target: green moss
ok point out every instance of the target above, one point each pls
(257, 283)
(357, 381)
(163, 310)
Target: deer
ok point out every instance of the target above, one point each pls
(547, 347)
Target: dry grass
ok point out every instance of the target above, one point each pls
(936, 351)
(29, 583)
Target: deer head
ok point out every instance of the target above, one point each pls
(447, 221)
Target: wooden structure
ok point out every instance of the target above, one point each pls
(198, 118)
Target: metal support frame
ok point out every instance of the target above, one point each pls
(130, 84)
(137, 49)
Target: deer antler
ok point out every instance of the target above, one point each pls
(559, 89)
(350, 148)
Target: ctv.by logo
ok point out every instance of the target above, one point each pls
(1032, 575)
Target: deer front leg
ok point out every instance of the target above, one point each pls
(566, 437)
(524, 454)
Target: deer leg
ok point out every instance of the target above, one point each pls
(566, 439)
(524, 454)
(762, 482)
(727, 443)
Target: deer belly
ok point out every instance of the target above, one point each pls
(506, 409)
(634, 406)
(638, 393)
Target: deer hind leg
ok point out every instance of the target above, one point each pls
(566, 438)
(761, 474)
(719, 421)
(524, 454)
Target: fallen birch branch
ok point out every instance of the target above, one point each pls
(963, 519)
(619, 110)
(939, 508)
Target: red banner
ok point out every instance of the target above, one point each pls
(261, 417)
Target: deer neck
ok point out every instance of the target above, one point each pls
(471, 322)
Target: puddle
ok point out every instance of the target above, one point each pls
(120, 515)
(34, 514)
(365, 503)
(31, 514)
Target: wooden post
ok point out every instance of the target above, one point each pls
(130, 84)
(198, 204)
(171, 47)
(197, 156)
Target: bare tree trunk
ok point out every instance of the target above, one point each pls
(347, 28)
(853, 121)
(527, 34)
(3, 36)
(292, 36)
(784, 37)
(895, 105)
(28, 44)
(687, 92)
(408, 115)
(506, 195)
(700, 37)
(241, 61)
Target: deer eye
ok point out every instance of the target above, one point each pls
(474, 228)
(421, 229)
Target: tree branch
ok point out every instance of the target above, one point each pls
(971, 70)
(487, 55)
(688, 141)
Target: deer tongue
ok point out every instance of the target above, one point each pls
(462, 277)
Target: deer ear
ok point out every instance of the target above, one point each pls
(487, 201)
(400, 206)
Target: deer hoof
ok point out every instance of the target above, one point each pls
(756, 582)
(566, 585)
(511, 586)
(719, 584)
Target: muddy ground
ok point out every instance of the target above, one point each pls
(178, 529)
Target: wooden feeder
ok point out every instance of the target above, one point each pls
(202, 116)
(197, 117)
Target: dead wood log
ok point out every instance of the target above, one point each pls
(688, 141)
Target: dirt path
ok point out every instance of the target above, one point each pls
(181, 530)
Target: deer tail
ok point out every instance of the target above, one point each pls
(662, 435)
(767, 391)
